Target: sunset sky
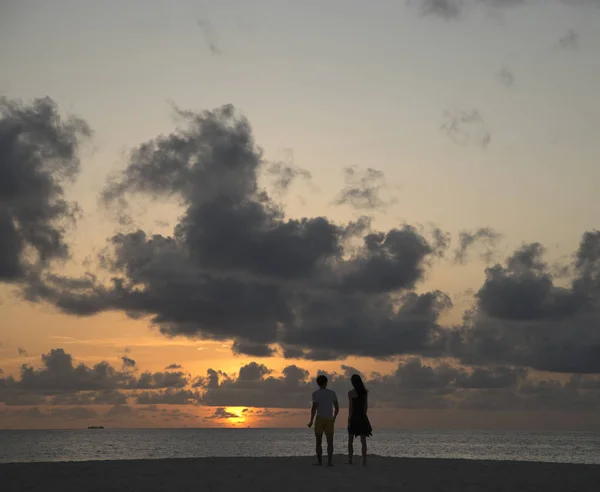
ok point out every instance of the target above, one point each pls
(205, 204)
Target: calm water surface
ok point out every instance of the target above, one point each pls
(119, 444)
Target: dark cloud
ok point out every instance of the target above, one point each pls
(454, 9)
(157, 380)
(60, 381)
(570, 41)
(286, 172)
(75, 413)
(466, 128)
(256, 388)
(106, 397)
(171, 367)
(168, 397)
(415, 384)
(237, 269)
(59, 374)
(523, 290)
(362, 190)
(128, 362)
(22, 352)
(209, 35)
(446, 9)
(38, 156)
(119, 411)
(336, 327)
(506, 77)
(253, 372)
(467, 240)
(523, 318)
(69, 414)
(252, 349)
(221, 414)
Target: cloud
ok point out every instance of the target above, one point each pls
(157, 380)
(105, 397)
(46, 414)
(446, 9)
(119, 411)
(75, 413)
(22, 352)
(466, 127)
(455, 9)
(221, 414)
(62, 382)
(33, 210)
(415, 384)
(171, 367)
(506, 77)
(286, 172)
(570, 41)
(128, 362)
(168, 397)
(362, 189)
(523, 318)
(253, 372)
(253, 349)
(259, 389)
(237, 269)
(468, 240)
(209, 35)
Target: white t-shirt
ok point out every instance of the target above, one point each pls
(324, 398)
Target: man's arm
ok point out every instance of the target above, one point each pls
(336, 406)
(313, 411)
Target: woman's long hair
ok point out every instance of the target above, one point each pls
(358, 385)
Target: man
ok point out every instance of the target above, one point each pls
(324, 401)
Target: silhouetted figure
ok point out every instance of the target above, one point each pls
(358, 422)
(325, 406)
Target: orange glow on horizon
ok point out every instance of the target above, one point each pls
(236, 416)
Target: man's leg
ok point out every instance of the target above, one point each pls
(319, 438)
(329, 437)
(350, 447)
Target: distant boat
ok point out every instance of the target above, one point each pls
(96, 427)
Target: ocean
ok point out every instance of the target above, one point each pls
(123, 444)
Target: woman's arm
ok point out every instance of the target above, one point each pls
(366, 403)
(349, 406)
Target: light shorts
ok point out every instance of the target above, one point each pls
(324, 426)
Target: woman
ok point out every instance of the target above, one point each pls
(358, 422)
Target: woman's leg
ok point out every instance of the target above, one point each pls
(363, 441)
(350, 447)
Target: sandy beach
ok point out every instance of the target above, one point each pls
(298, 474)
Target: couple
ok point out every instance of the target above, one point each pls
(326, 407)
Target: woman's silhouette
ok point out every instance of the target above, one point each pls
(358, 422)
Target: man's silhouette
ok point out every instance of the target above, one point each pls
(324, 402)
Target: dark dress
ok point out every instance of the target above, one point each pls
(359, 422)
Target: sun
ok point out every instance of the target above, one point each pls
(236, 415)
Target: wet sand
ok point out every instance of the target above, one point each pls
(298, 474)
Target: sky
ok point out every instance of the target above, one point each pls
(204, 205)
